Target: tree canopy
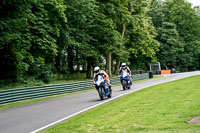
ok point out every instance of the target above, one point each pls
(40, 39)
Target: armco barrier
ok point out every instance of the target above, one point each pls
(19, 94)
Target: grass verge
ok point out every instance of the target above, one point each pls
(161, 108)
(158, 76)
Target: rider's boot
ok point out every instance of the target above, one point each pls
(110, 89)
(109, 82)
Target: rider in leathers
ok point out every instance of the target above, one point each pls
(125, 68)
(98, 71)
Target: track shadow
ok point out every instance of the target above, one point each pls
(121, 90)
(95, 100)
(98, 100)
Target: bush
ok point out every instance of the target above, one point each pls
(46, 74)
(41, 71)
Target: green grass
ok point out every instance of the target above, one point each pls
(162, 108)
(158, 76)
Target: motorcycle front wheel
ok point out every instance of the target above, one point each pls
(124, 84)
(129, 85)
(101, 93)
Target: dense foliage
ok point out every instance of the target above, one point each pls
(28, 36)
(178, 26)
(41, 39)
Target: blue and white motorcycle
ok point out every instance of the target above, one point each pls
(102, 87)
(125, 80)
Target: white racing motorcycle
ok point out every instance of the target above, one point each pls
(102, 87)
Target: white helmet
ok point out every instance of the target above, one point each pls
(123, 64)
(97, 70)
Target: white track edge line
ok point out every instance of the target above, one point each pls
(79, 112)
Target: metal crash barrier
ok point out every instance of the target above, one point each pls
(19, 94)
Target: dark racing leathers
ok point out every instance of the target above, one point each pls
(126, 69)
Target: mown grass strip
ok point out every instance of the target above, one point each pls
(162, 108)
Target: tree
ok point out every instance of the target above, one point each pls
(180, 13)
(28, 36)
(171, 48)
(141, 34)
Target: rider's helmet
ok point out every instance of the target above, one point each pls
(97, 70)
(123, 65)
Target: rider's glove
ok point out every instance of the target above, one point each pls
(105, 78)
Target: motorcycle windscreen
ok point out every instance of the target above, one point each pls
(125, 74)
(99, 80)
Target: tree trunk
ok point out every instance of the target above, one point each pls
(108, 64)
(113, 66)
(117, 67)
(118, 62)
(123, 30)
(89, 68)
(77, 62)
(123, 33)
(59, 63)
(70, 59)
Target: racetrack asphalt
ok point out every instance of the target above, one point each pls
(38, 116)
